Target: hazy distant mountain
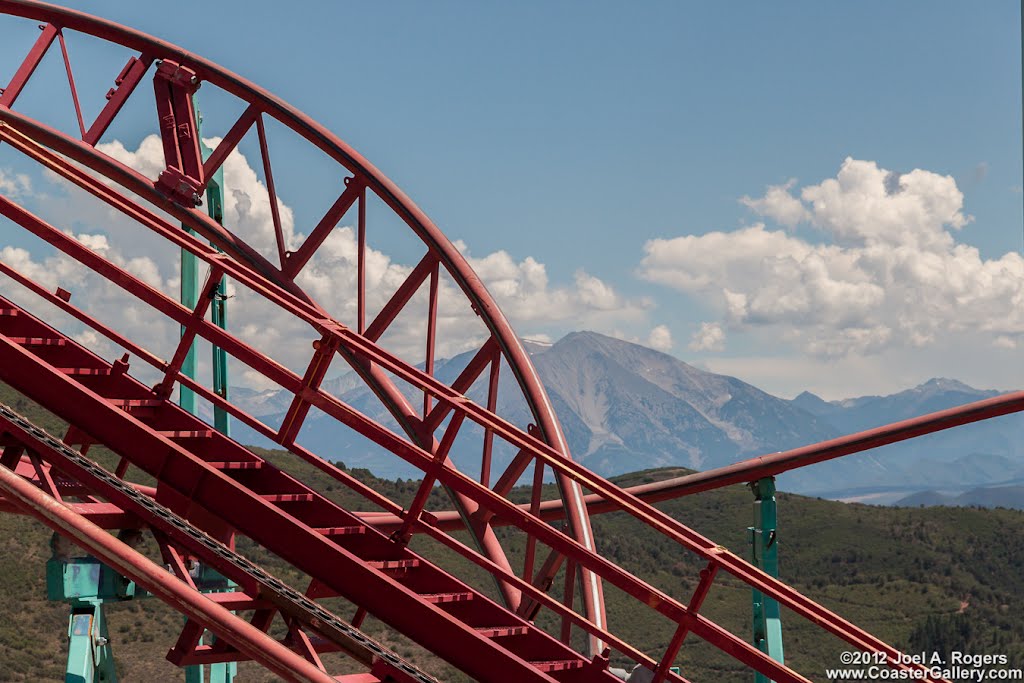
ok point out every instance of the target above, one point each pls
(857, 414)
(642, 408)
(987, 497)
(625, 407)
(988, 452)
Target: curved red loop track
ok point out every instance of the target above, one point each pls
(503, 346)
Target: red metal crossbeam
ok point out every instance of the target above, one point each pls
(315, 372)
(28, 66)
(186, 643)
(492, 405)
(354, 190)
(361, 264)
(268, 174)
(412, 516)
(183, 180)
(401, 297)
(428, 354)
(707, 577)
(71, 81)
(487, 353)
(189, 331)
(231, 140)
(124, 85)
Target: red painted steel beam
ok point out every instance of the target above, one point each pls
(28, 66)
(124, 85)
(231, 140)
(764, 465)
(485, 355)
(156, 580)
(297, 259)
(268, 174)
(71, 82)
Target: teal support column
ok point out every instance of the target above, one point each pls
(90, 659)
(765, 555)
(213, 198)
(219, 305)
(214, 201)
(189, 299)
(86, 585)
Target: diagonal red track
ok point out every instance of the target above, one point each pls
(212, 481)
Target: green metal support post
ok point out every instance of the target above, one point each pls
(86, 584)
(89, 654)
(214, 199)
(189, 299)
(765, 555)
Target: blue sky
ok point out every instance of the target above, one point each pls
(576, 133)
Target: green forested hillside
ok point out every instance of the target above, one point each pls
(918, 578)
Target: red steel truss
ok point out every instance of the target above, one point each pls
(210, 487)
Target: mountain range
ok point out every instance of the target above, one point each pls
(985, 497)
(625, 407)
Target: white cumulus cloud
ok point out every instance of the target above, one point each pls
(779, 205)
(14, 185)
(889, 270)
(660, 338)
(710, 337)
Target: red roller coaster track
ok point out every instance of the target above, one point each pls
(210, 487)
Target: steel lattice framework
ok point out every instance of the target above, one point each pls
(210, 487)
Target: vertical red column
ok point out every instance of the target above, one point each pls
(183, 179)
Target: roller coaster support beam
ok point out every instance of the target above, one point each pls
(86, 584)
(218, 306)
(190, 288)
(765, 556)
(90, 658)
